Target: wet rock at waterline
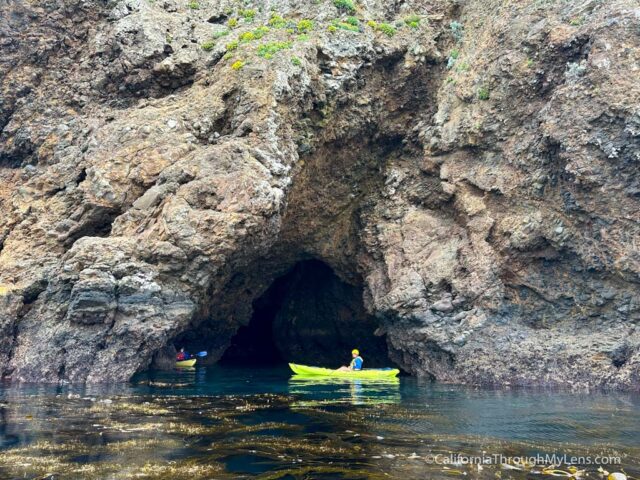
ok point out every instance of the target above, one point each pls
(471, 167)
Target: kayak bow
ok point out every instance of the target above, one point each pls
(306, 370)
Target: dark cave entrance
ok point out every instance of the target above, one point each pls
(309, 316)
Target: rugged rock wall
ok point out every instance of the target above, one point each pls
(472, 165)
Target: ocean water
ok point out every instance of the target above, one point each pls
(222, 423)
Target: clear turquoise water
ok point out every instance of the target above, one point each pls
(259, 423)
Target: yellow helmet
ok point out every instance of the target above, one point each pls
(355, 352)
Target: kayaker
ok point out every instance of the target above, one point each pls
(182, 355)
(356, 362)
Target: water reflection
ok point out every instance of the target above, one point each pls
(356, 391)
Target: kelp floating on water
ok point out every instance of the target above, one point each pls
(264, 436)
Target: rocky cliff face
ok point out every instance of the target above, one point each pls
(471, 165)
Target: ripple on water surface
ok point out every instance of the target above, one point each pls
(232, 423)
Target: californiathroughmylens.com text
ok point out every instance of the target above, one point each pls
(499, 459)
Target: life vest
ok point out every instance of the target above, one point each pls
(356, 363)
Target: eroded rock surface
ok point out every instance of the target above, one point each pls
(472, 165)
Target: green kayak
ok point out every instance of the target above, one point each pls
(307, 371)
